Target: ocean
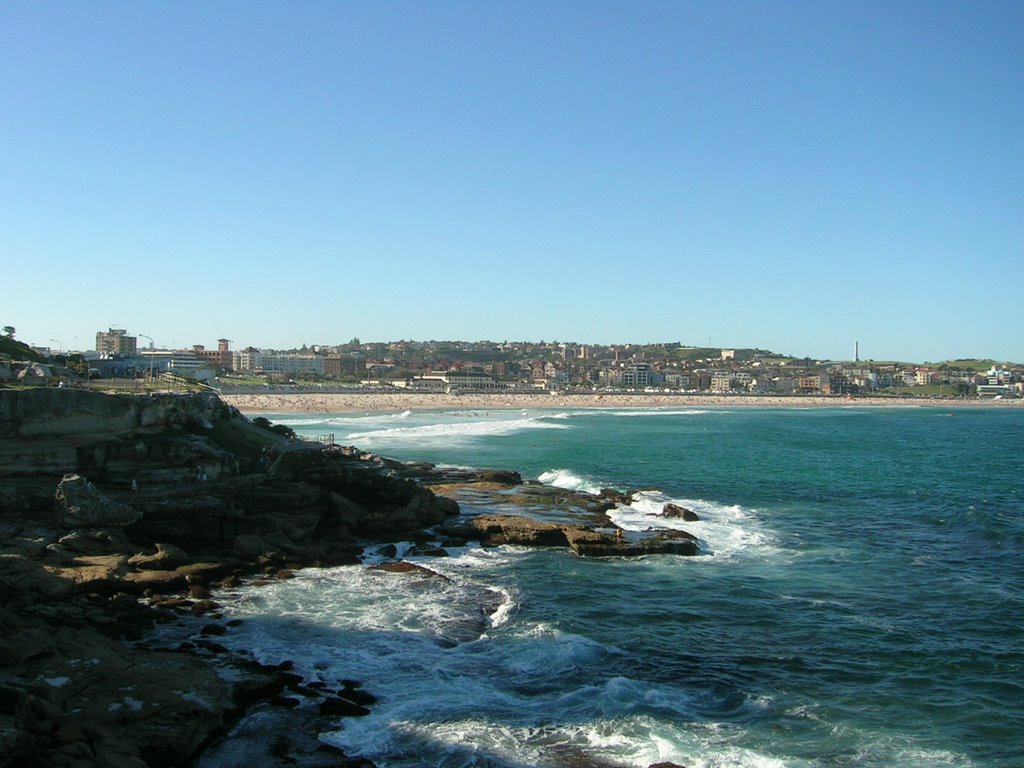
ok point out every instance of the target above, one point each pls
(858, 601)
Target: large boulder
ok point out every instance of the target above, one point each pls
(96, 541)
(81, 505)
(166, 558)
(674, 510)
(495, 530)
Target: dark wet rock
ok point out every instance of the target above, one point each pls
(249, 546)
(200, 607)
(672, 534)
(505, 476)
(614, 495)
(674, 510)
(405, 567)
(356, 694)
(289, 678)
(339, 707)
(256, 686)
(428, 550)
(199, 592)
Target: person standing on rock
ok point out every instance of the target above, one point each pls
(135, 485)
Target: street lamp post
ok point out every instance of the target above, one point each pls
(60, 351)
(151, 354)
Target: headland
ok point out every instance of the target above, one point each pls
(120, 513)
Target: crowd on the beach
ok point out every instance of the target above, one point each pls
(399, 401)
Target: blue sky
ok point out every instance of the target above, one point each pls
(795, 176)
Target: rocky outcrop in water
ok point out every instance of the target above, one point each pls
(495, 530)
(674, 510)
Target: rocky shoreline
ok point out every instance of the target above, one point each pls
(120, 513)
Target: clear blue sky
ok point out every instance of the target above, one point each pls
(795, 176)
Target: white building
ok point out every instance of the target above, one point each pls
(291, 362)
(453, 380)
(185, 362)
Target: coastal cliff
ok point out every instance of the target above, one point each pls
(119, 513)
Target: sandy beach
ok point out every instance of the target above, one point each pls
(361, 402)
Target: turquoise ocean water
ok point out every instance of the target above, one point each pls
(860, 602)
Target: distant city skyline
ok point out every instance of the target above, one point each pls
(56, 345)
(789, 176)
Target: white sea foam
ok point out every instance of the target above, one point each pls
(656, 412)
(527, 695)
(632, 740)
(505, 610)
(724, 531)
(342, 420)
(565, 478)
(455, 433)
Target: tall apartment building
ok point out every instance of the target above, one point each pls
(637, 375)
(115, 341)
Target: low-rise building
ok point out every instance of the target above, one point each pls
(181, 361)
(453, 380)
(721, 382)
(815, 385)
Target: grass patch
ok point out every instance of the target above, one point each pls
(16, 350)
(243, 440)
(977, 365)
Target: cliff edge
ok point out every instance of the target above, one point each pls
(118, 512)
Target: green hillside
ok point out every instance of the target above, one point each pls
(16, 350)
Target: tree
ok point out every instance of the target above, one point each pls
(9, 331)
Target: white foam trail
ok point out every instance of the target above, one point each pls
(564, 478)
(656, 412)
(451, 434)
(506, 610)
(341, 420)
(724, 531)
(293, 422)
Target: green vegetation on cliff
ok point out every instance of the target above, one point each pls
(16, 350)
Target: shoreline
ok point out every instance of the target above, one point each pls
(361, 402)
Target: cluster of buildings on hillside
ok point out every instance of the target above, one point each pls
(484, 366)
